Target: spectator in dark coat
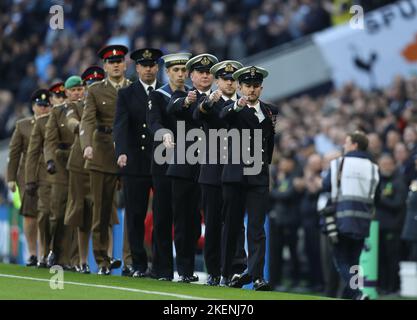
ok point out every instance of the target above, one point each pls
(390, 207)
(310, 221)
(404, 161)
(409, 232)
(285, 220)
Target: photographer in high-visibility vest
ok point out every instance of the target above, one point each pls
(352, 181)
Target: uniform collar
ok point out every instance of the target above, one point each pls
(146, 86)
(257, 107)
(233, 98)
(358, 154)
(258, 111)
(43, 116)
(121, 83)
(207, 93)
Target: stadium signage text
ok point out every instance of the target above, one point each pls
(383, 18)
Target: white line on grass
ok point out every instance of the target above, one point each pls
(183, 296)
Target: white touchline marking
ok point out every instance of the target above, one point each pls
(111, 287)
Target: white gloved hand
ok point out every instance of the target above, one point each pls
(168, 141)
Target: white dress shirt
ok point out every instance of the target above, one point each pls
(146, 86)
(233, 98)
(207, 93)
(258, 112)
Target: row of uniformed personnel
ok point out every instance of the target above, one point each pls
(46, 163)
(115, 131)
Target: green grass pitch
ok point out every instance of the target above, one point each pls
(23, 283)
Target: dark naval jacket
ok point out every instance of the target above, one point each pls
(159, 120)
(176, 108)
(131, 133)
(212, 173)
(246, 119)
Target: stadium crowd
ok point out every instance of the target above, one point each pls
(32, 55)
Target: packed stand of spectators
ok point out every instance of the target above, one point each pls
(34, 55)
(312, 131)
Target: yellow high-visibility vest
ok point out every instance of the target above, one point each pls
(341, 14)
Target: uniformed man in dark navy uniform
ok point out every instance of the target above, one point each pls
(186, 191)
(164, 124)
(210, 172)
(245, 191)
(134, 143)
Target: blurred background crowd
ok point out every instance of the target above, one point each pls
(311, 129)
(33, 55)
(312, 132)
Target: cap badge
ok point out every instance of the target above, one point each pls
(61, 88)
(114, 52)
(147, 54)
(228, 68)
(252, 71)
(43, 96)
(205, 61)
(95, 74)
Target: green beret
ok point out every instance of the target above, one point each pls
(73, 81)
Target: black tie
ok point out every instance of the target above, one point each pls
(150, 89)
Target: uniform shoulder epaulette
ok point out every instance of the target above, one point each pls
(57, 106)
(43, 116)
(95, 83)
(271, 107)
(23, 120)
(76, 103)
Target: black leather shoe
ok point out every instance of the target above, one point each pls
(85, 269)
(51, 259)
(239, 280)
(184, 279)
(224, 282)
(261, 285)
(153, 275)
(213, 280)
(104, 271)
(32, 261)
(42, 263)
(67, 267)
(165, 279)
(139, 274)
(127, 271)
(194, 278)
(115, 264)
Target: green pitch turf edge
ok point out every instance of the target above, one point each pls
(84, 287)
